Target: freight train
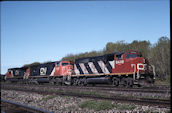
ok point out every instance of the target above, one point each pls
(125, 68)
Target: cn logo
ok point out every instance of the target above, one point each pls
(16, 72)
(43, 71)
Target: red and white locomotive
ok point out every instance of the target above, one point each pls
(119, 68)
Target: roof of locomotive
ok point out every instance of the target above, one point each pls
(17, 68)
(86, 59)
(41, 64)
(98, 57)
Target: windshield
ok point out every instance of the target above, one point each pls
(64, 64)
(131, 56)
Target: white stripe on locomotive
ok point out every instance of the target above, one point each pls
(52, 73)
(84, 69)
(112, 64)
(93, 68)
(103, 67)
(76, 70)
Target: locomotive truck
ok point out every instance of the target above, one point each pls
(125, 68)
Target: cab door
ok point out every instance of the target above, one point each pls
(64, 68)
(57, 69)
(119, 64)
(130, 61)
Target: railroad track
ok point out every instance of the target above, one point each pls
(143, 101)
(102, 88)
(102, 85)
(13, 107)
(144, 90)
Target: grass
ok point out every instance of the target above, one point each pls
(165, 81)
(162, 82)
(102, 105)
(48, 97)
(125, 106)
(105, 105)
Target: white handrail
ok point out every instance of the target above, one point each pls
(134, 70)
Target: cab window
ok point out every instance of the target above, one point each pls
(133, 55)
(119, 57)
(128, 56)
(64, 64)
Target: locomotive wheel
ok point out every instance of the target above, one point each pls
(52, 81)
(82, 82)
(130, 82)
(75, 81)
(35, 82)
(115, 81)
(124, 82)
(127, 82)
(85, 81)
(58, 81)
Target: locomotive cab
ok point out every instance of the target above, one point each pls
(128, 62)
(9, 74)
(63, 68)
(14, 74)
(133, 65)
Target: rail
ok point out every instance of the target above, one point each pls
(145, 101)
(22, 107)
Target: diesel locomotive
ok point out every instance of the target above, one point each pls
(125, 68)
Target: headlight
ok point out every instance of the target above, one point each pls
(141, 66)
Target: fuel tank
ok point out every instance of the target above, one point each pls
(102, 80)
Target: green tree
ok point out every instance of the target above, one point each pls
(160, 57)
(141, 46)
(32, 64)
(115, 47)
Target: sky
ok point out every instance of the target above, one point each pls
(40, 31)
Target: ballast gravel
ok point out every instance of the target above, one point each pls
(67, 104)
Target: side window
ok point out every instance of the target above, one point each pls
(128, 56)
(64, 64)
(58, 63)
(119, 57)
